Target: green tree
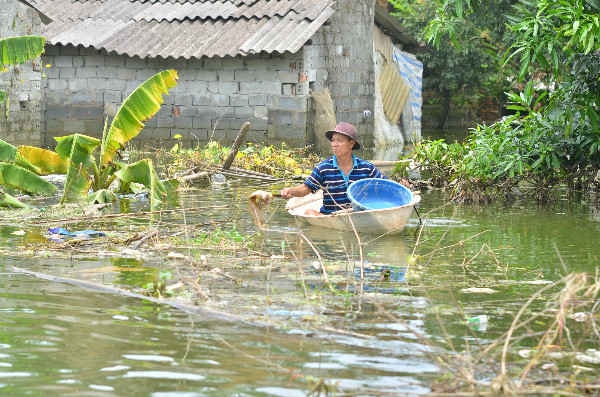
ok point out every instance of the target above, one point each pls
(460, 51)
(554, 134)
(549, 34)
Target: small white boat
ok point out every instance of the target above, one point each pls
(382, 221)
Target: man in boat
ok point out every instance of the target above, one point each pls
(337, 172)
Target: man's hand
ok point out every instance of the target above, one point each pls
(286, 193)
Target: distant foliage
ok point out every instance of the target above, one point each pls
(461, 54)
(553, 134)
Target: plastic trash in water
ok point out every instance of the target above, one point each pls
(218, 179)
(57, 233)
(478, 323)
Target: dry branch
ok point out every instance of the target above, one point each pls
(239, 139)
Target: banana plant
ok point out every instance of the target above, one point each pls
(20, 167)
(86, 172)
(77, 150)
(17, 50)
(74, 155)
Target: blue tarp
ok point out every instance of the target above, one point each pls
(411, 70)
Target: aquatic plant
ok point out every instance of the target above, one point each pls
(276, 160)
(158, 287)
(435, 159)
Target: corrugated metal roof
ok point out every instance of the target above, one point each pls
(184, 28)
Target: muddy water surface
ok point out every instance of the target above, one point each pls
(290, 332)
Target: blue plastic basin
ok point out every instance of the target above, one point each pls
(375, 194)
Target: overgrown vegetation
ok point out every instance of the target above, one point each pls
(278, 161)
(464, 74)
(553, 134)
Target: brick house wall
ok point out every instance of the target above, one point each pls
(215, 96)
(340, 57)
(20, 116)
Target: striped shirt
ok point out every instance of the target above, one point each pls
(328, 176)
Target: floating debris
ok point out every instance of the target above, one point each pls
(476, 290)
(478, 323)
(58, 234)
(591, 356)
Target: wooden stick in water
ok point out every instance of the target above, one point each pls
(239, 139)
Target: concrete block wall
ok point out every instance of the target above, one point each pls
(20, 116)
(211, 101)
(340, 57)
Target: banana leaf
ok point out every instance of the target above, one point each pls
(143, 103)
(7, 152)
(78, 149)
(102, 196)
(144, 173)
(23, 162)
(6, 200)
(45, 161)
(10, 154)
(19, 49)
(22, 179)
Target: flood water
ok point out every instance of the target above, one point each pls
(290, 334)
